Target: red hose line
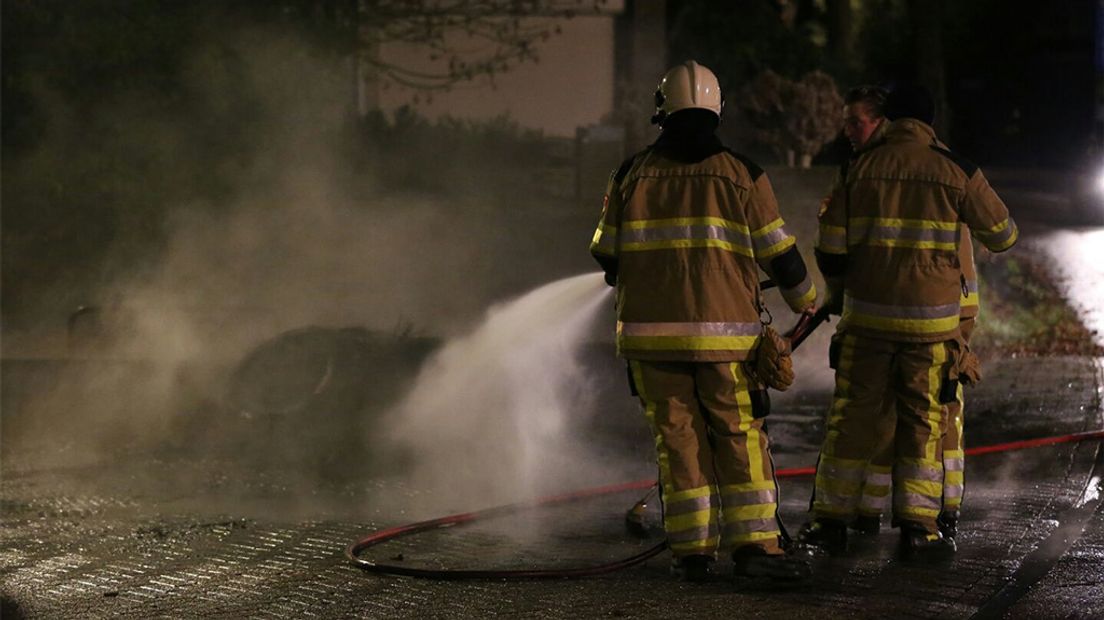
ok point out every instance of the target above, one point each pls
(1034, 443)
(352, 552)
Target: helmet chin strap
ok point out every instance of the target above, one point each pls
(661, 114)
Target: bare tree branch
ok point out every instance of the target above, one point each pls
(464, 39)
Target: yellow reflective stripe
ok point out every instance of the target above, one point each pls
(999, 231)
(686, 221)
(879, 469)
(998, 228)
(832, 239)
(973, 299)
(605, 229)
(751, 537)
(674, 244)
(911, 243)
(777, 248)
(905, 223)
(690, 520)
(909, 326)
(840, 399)
(917, 512)
(688, 343)
(838, 486)
(743, 487)
(604, 240)
(954, 478)
(806, 299)
(1008, 242)
(775, 225)
(953, 454)
(935, 409)
(749, 512)
(747, 420)
(663, 459)
(686, 494)
(926, 488)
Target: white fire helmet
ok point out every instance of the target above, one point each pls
(688, 85)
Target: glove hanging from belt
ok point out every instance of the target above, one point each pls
(964, 364)
(773, 366)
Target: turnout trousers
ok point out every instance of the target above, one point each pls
(717, 483)
(875, 381)
(878, 480)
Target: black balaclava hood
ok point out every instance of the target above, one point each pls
(689, 135)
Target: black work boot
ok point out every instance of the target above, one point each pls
(920, 544)
(948, 524)
(867, 524)
(754, 561)
(827, 534)
(692, 568)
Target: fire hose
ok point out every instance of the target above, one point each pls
(796, 335)
(353, 551)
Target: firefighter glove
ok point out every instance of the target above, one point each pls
(773, 366)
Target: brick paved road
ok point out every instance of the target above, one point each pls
(180, 533)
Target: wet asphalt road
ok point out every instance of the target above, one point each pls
(180, 533)
(235, 528)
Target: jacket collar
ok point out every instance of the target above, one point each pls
(910, 130)
(875, 138)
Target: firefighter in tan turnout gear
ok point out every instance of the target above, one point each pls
(864, 126)
(888, 246)
(686, 226)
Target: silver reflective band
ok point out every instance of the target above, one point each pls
(673, 233)
(902, 312)
(910, 234)
(689, 329)
(693, 504)
(744, 498)
(693, 534)
(750, 525)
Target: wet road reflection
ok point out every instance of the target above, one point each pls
(1078, 259)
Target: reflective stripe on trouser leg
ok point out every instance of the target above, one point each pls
(954, 450)
(954, 456)
(876, 486)
(854, 426)
(741, 458)
(878, 479)
(921, 425)
(689, 491)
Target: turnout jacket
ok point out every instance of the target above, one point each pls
(893, 237)
(683, 243)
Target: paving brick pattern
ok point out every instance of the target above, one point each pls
(70, 549)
